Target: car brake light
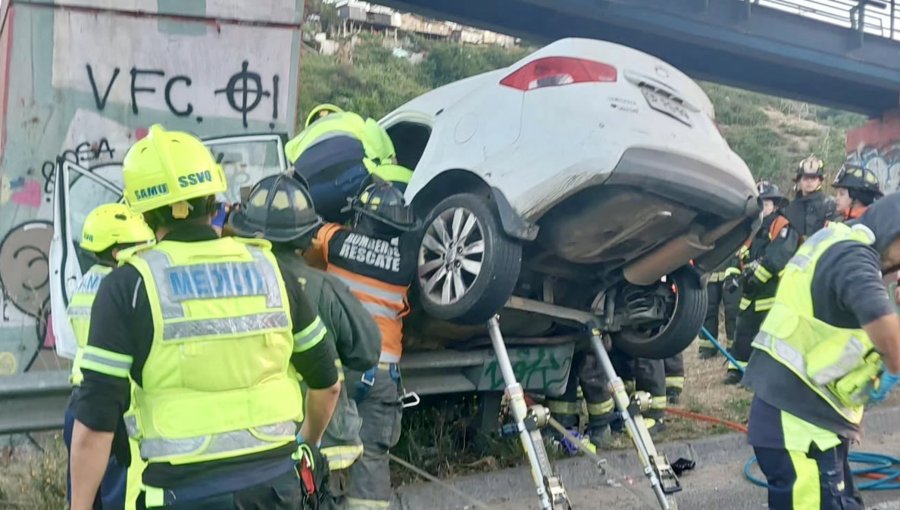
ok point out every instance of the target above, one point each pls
(557, 71)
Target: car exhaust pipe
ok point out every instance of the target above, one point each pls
(672, 255)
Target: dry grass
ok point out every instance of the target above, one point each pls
(31, 478)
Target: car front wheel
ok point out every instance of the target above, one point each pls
(468, 266)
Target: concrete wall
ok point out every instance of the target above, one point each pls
(876, 145)
(83, 79)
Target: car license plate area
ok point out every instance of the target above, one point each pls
(666, 105)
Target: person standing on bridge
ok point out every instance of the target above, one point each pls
(811, 209)
(829, 345)
(206, 328)
(108, 229)
(376, 258)
(280, 210)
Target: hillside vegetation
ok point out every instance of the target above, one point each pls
(769, 133)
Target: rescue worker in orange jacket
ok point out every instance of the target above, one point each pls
(376, 258)
(774, 244)
(855, 189)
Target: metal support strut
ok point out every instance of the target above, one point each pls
(656, 466)
(663, 480)
(550, 489)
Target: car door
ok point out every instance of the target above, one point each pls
(246, 159)
(78, 190)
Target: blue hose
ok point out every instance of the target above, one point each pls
(721, 349)
(884, 465)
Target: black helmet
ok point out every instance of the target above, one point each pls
(856, 178)
(769, 191)
(385, 204)
(278, 208)
(810, 166)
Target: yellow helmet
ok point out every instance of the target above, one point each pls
(111, 224)
(319, 110)
(169, 167)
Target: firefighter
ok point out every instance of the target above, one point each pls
(206, 328)
(811, 209)
(830, 345)
(587, 374)
(280, 210)
(108, 229)
(770, 249)
(855, 189)
(376, 256)
(673, 367)
(335, 154)
(718, 291)
(643, 374)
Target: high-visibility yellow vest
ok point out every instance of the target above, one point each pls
(376, 143)
(217, 382)
(79, 314)
(839, 364)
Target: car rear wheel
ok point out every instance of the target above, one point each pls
(682, 300)
(468, 267)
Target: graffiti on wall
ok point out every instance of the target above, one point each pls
(244, 91)
(876, 146)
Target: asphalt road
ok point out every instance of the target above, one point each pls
(717, 483)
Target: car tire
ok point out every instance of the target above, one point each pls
(682, 327)
(467, 224)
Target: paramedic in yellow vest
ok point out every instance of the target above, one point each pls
(770, 249)
(829, 345)
(208, 329)
(107, 230)
(279, 209)
(376, 258)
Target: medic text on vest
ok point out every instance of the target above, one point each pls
(373, 252)
(227, 279)
(90, 283)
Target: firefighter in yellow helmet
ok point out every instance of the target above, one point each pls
(108, 229)
(336, 152)
(208, 329)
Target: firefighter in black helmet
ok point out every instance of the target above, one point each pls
(774, 244)
(377, 257)
(811, 209)
(280, 210)
(855, 190)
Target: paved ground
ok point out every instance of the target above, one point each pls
(718, 482)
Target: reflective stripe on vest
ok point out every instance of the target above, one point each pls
(836, 363)
(79, 314)
(217, 382)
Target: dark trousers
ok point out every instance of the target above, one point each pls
(674, 369)
(643, 374)
(816, 480)
(112, 487)
(748, 324)
(585, 372)
(730, 301)
(280, 493)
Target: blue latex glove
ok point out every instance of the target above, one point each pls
(886, 383)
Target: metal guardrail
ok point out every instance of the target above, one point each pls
(876, 17)
(33, 401)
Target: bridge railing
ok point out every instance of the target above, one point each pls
(876, 17)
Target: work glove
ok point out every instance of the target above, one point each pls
(886, 383)
(749, 282)
(731, 284)
(312, 467)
